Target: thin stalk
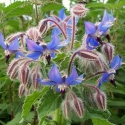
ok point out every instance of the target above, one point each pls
(37, 15)
(70, 62)
(73, 32)
(58, 27)
(35, 116)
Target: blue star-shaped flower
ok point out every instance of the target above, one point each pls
(109, 75)
(61, 83)
(10, 48)
(46, 50)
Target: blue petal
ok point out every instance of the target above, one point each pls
(116, 62)
(2, 41)
(19, 54)
(14, 45)
(34, 55)
(62, 15)
(62, 44)
(57, 30)
(73, 76)
(91, 43)
(54, 42)
(90, 28)
(77, 81)
(32, 46)
(104, 78)
(54, 75)
(46, 82)
(53, 55)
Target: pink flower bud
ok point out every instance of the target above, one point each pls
(13, 67)
(21, 90)
(43, 26)
(66, 107)
(108, 50)
(100, 99)
(33, 33)
(24, 72)
(79, 10)
(87, 54)
(34, 75)
(77, 105)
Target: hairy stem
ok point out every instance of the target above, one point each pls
(73, 32)
(58, 27)
(70, 62)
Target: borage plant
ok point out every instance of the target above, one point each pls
(51, 73)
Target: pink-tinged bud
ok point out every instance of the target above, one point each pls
(66, 107)
(11, 37)
(87, 54)
(34, 75)
(79, 10)
(33, 33)
(77, 105)
(24, 72)
(13, 67)
(21, 90)
(108, 51)
(43, 26)
(100, 99)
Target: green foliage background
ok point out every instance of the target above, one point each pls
(19, 16)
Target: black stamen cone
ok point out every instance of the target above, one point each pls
(48, 58)
(63, 93)
(7, 58)
(99, 40)
(108, 37)
(112, 81)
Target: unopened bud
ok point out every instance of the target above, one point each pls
(66, 107)
(87, 54)
(77, 105)
(43, 26)
(79, 10)
(108, 50)
(24, 72)
(100, 99)
(33, 33)
(34, 75)
(21, 90)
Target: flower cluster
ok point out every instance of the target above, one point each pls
(33, 52)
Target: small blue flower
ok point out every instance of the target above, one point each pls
(10, 48)
(61, 82)
(47, 50)
(109, 75)
(95, 31)
(65, 22)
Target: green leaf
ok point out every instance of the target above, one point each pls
(51, 6)
(98, 121)
(30, 100)
(49, 102)
(18, 9)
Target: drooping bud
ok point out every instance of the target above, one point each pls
(79, 10)
(33, 33)
(34, 75)
(21, 90)
(87, 54)
(76, 104)
(24, 72)
(43, 26)
(66, 107)
(108, 50)
(100, 99)
(13, 67)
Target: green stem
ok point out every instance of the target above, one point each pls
(63, 120)
(37, 15)
(57, 116)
